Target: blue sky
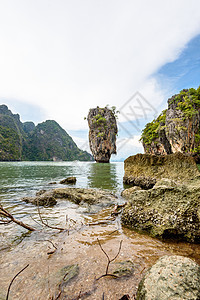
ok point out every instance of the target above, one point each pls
(184, 72)
(60, 58)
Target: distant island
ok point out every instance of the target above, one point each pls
(47, 141)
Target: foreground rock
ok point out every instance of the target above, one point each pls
(168, 210)
(102, 134)
(76, 195)
(172, 277)
(145, 170)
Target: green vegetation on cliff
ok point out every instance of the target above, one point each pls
(180, 124)
(151, 131)
(24, 141)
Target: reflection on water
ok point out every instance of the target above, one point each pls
(105, 176)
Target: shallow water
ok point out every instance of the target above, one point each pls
(78, 245)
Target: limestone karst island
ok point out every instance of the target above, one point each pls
(75, 224)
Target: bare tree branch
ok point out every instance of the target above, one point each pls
(5, 214)
(13, 280)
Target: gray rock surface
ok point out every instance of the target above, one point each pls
(168, 210)
(145, 170)
(171, 278)
(76, 195)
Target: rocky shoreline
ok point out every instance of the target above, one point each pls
(169, 209)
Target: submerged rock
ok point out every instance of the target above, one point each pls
(172, 277)
(67, 180)
(145, 170)
(124, 268)
(168, 210)
(67, 273)
(102, 134)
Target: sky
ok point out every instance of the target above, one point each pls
(59, 58)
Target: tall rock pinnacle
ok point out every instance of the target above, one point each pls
(102, 133)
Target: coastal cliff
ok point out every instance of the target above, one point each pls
(24, 141)
(102, 133)
(177, 129)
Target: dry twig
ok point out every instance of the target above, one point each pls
(13, 280)
(46, 224)
(109, 260)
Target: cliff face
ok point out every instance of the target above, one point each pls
(177, 129)
(12, 135)
(102, 133)
(25, 141)
(49, 141)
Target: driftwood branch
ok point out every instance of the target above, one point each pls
(109, 260)
(13, 280)
(8, 218)
(46, 224)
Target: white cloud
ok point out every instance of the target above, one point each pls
(68, 56)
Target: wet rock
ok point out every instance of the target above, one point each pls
(102, 133)
(89, 196)
(53, 182)
(39, 193)
(172, 277)
(145, 170)
(67, 180)
(168, 210)
(76, 195)
(124, 268)
(46, 199)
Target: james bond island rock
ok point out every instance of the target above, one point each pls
(25, 141)
(168, 210)
(145, 170)
(172, 277)
(102, 134)
(177, 129)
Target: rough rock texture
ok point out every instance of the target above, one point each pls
(144, 169)
(172, 277)
(67, 180)
(45, 199)
(102, 134)
(177, 129)
(168, 210)
(76, 195)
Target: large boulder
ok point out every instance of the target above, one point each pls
(168, 210)
(172, 277)
(145, 170)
